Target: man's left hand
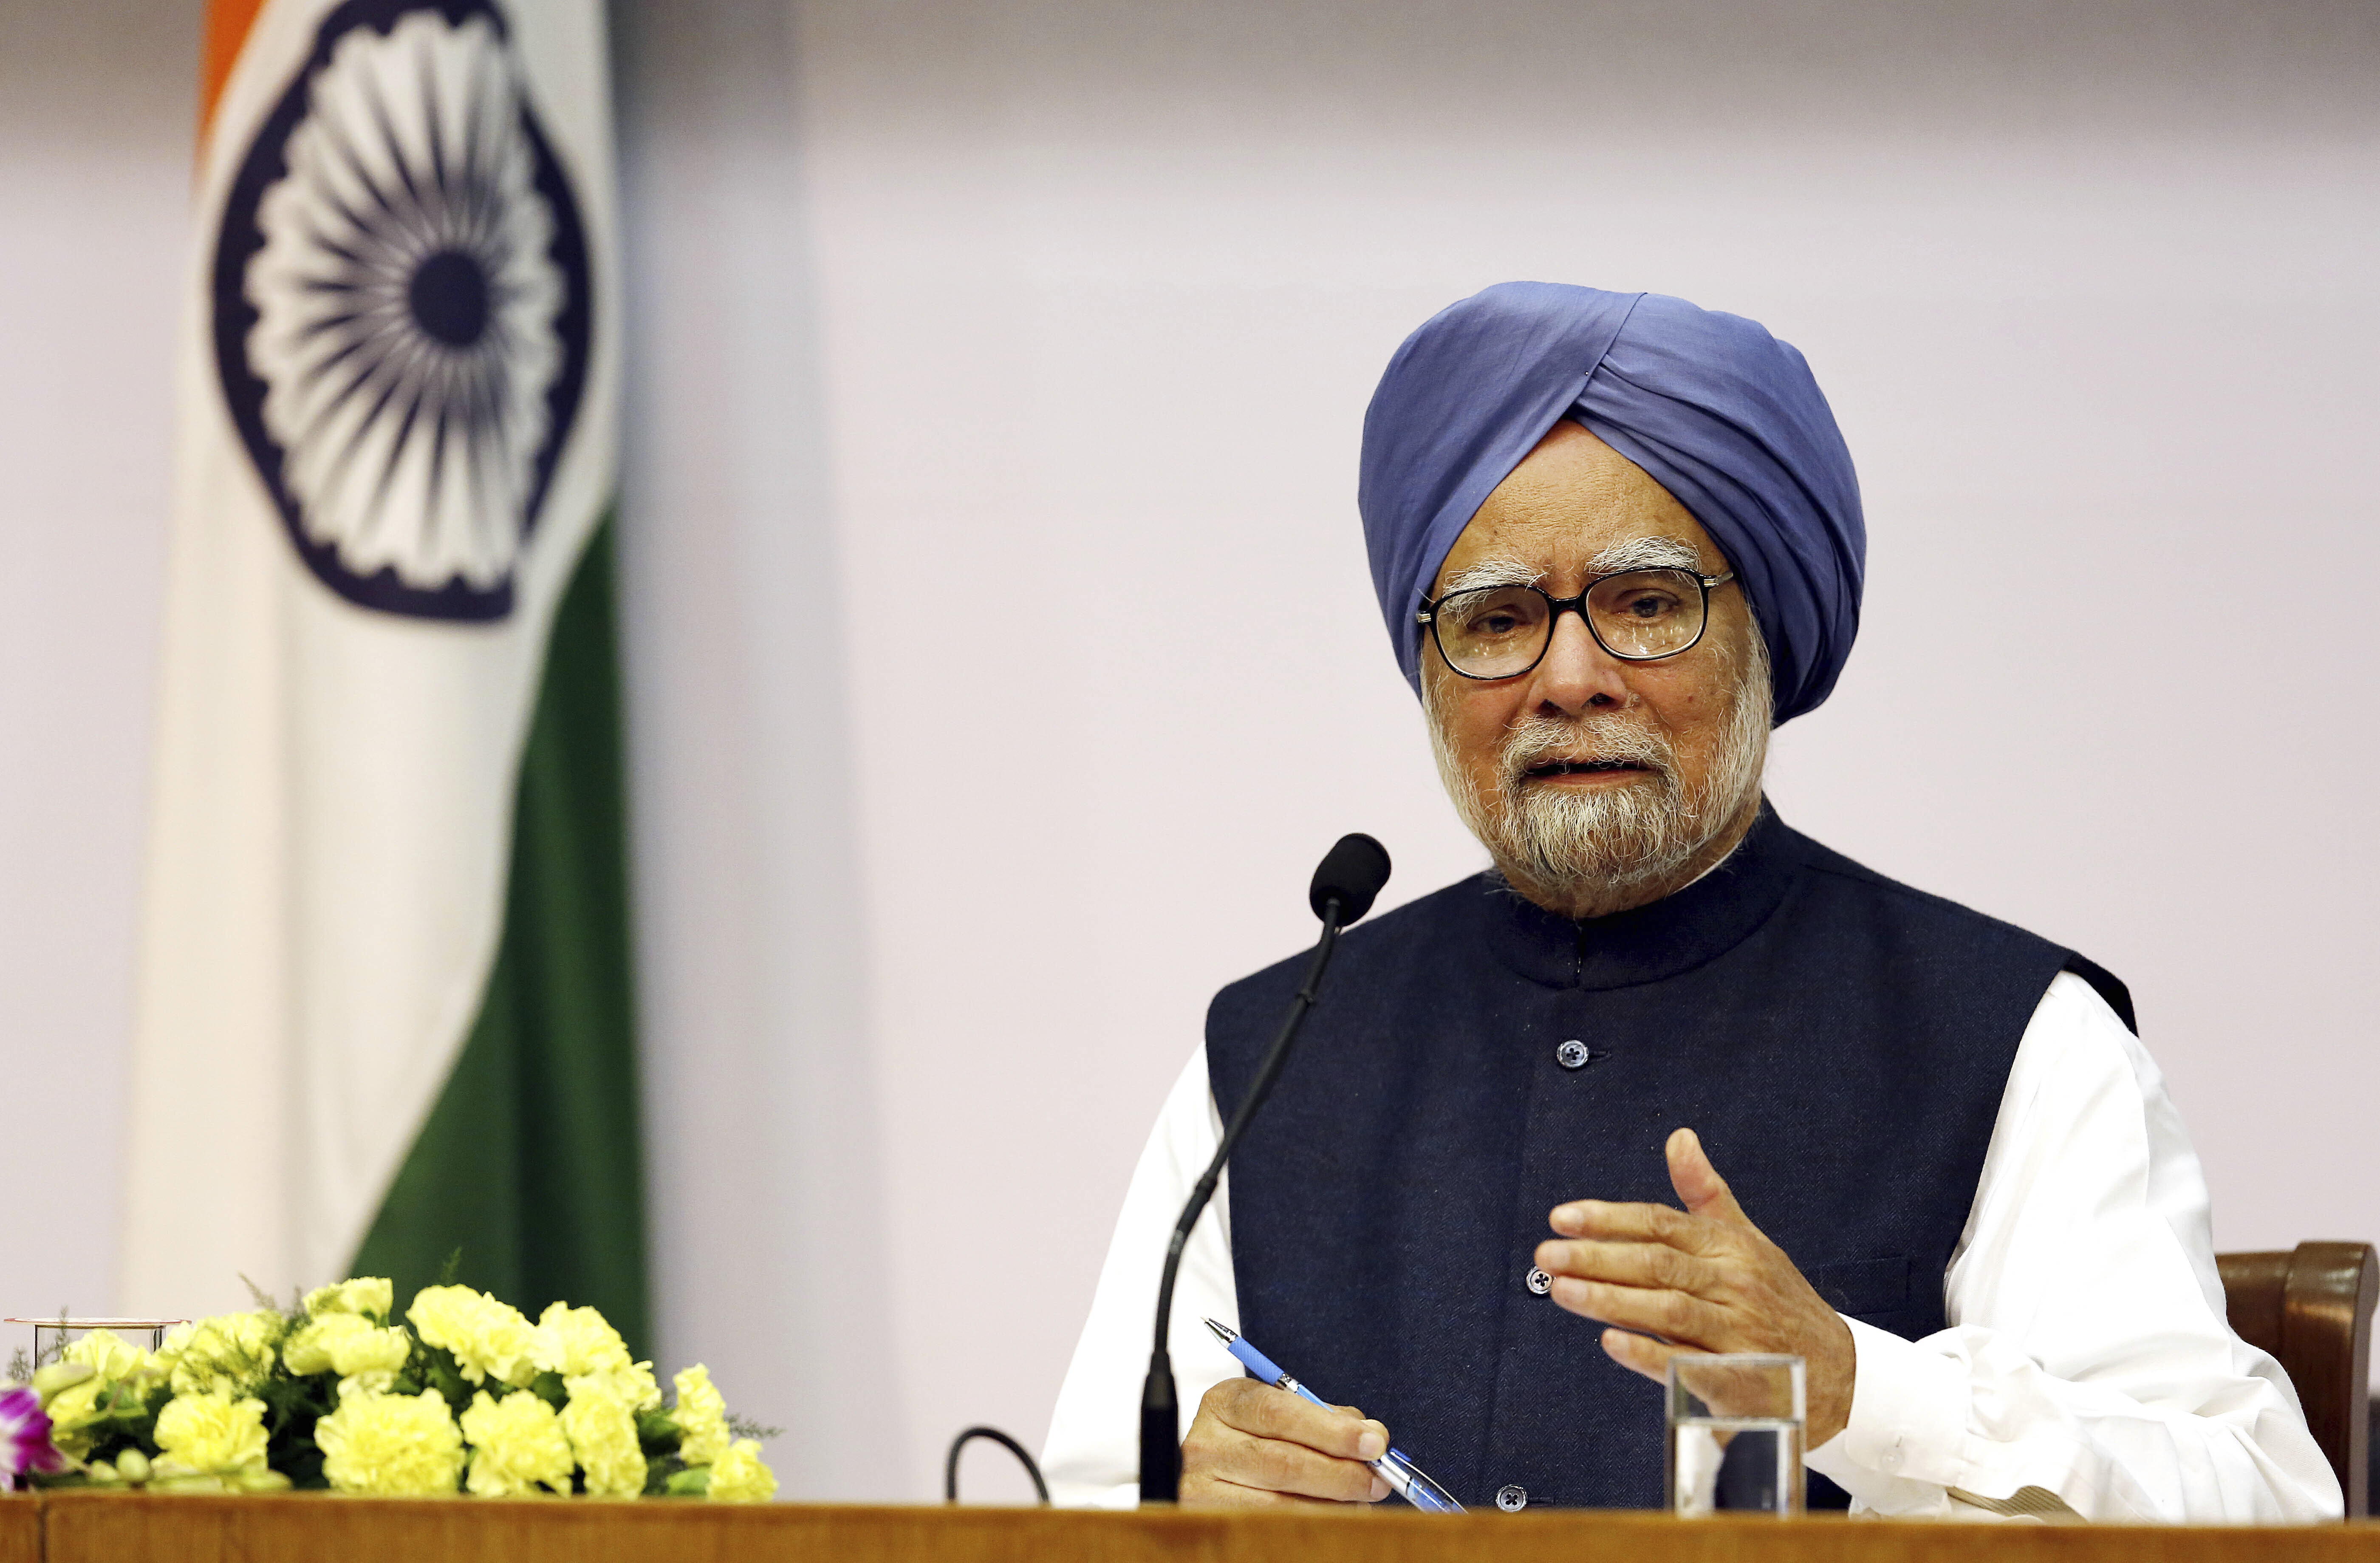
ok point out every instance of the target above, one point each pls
(1702, 1279)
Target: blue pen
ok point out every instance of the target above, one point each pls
(1399, 1472)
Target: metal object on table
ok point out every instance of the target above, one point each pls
(53, 1336)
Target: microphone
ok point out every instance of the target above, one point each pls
(1351, 874)
(1345, 886)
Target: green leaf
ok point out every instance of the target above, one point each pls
(442, 1372)
(658, 1430)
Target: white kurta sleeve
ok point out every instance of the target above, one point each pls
(2088, 1364)
(1092, 1457)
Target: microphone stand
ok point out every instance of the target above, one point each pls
(1160, 1411)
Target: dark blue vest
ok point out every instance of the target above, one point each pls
(1839, 1041)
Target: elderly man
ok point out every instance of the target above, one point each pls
(1671, 1077)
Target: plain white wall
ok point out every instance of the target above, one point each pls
(984, 356)
(771, 1233)
(97, 100)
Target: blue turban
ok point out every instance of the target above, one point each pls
(1718, 411)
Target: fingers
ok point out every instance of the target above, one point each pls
(1254, 1446)
(1699, 1228)
(1673, 1315)
(1631, 1265)
(1699, 1186)
(1642, 1354)
(1647, 1288)
(1638, 1224)
(1263, 1412)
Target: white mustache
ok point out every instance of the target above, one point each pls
(1543, 740)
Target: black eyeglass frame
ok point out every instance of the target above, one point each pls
(1556, 607)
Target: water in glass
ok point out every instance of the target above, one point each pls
(1731, 1464)
(1735, 1435)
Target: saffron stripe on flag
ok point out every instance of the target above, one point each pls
(228, 24)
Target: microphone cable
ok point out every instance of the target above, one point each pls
(950, 1466)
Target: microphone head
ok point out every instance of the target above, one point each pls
(1351, 874)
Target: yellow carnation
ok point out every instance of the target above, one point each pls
(575, 1342)
(517, 1444)
(116, 1359)
(53, 1379)
(580, 1345)
(602, 1428)
(392, 1445)
(210, 1435)
(371, 1361)
(701, 1417)
(228, 1351)
(363, 1354)
(72, 1412)
(490, 1339)
(309, 1351)
(372, 1294)
(739, 1475)
(635, 1385)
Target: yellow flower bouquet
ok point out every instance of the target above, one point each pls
(464, 1395)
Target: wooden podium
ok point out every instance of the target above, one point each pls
(114, 1528)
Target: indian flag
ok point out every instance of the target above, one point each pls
(385, 1010)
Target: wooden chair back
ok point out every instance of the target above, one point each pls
(2311, 1307)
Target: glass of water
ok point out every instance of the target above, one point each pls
(1735, 1435)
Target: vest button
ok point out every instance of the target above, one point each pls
(1511, 1497)
(1572, 1054)
(1539, 1282)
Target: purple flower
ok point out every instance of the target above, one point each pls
(25, 1434)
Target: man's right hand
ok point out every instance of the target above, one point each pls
(1255, 1446)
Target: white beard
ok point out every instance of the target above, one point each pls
(1586, 853)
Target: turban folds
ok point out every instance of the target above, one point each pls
(1714, 408)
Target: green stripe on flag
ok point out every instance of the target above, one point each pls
(530, 1162)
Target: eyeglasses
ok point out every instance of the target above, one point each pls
(1637, 615)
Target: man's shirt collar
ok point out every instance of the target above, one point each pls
(1649, 943)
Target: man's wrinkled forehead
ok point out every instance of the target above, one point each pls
(1535, 566)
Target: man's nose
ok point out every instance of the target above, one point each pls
(1577, 674)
